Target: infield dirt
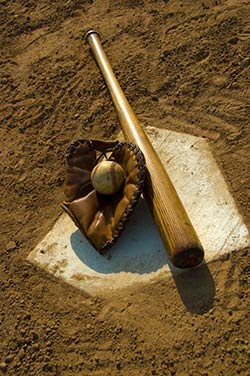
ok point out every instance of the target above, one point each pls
(184, 66)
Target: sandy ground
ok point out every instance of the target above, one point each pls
(184, 65)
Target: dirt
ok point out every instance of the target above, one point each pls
(184, 66)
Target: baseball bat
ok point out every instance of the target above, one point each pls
(176, 230)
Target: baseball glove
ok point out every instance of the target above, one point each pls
(99, 217)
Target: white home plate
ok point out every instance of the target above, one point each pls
(139, 255)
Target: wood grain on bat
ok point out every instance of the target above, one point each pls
(175, 227)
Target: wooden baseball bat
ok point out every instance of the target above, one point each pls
(177, 232)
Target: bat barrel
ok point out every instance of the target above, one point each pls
(177, 232)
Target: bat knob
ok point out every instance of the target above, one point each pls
(88, 33)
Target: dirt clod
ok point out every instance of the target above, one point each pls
(9, 358)
(10, 246)
(3, 366)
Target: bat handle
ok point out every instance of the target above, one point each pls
(177, 232)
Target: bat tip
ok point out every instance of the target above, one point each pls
(189, 257)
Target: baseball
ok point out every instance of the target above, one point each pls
(107, 177)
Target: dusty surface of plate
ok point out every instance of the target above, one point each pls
(139, 255)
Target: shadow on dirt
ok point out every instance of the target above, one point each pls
(196, 288)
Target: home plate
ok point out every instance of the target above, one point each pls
(139, 255)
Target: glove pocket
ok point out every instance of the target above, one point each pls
(102, 218)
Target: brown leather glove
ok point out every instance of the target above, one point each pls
(101, 218)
